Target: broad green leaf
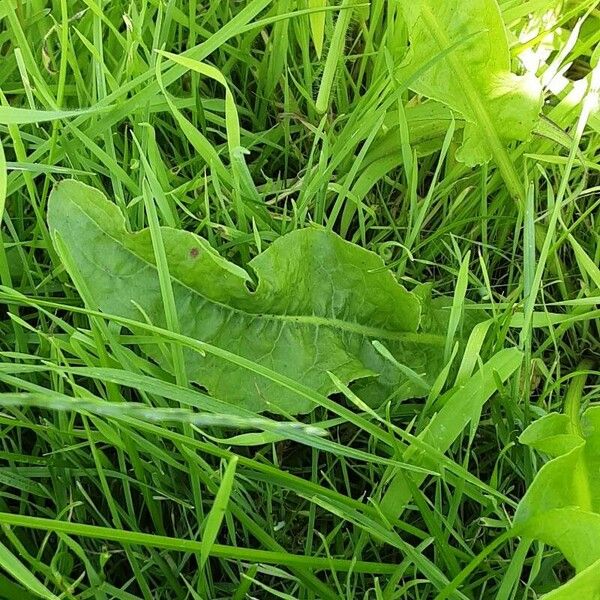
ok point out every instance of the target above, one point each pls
(562, 505)
(574, 531)
(584, 586)
(474, 79)
(319, 304)
(551, 434)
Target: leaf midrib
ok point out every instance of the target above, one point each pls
(314, 320)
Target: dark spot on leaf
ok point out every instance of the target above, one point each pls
(194, 252)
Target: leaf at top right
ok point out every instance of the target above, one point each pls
(462, 49)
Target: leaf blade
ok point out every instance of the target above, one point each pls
(474, 79)
(319, 303)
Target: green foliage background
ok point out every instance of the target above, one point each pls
(409, 130)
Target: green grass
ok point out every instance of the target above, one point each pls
(159, 502)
